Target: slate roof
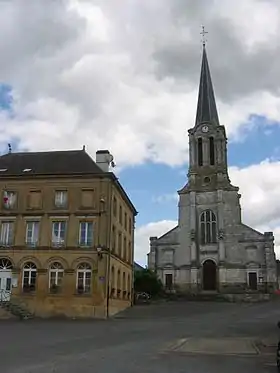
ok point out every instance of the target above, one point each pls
(52, 163)
(206, 105)
(138, 267)
(48, 163)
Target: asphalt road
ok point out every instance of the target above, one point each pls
(143, 340)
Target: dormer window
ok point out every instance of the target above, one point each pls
(27, 170)
(3, 169)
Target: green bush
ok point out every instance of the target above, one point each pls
(148, 282)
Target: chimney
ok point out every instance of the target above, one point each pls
(104, 159)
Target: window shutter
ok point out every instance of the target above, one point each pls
(34, 200)
(87, 198)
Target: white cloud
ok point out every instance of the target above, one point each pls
(166, 198)
(260, 201)
(90, 72)
(259, 186)
(143, 233)
(126, 77)
(260, 189)
(256, 31)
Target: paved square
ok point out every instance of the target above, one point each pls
(217, 346)
(209, 337)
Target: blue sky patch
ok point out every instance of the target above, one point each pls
(153, 187)
(6, 99)
(261, 142)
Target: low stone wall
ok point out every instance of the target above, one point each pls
(57, 306)
(247, 297)
(240, 289)
(117, 305)
(229, 294)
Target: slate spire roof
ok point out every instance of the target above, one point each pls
(206, 105)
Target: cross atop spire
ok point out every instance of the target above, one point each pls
(206, 105)
(203, 33)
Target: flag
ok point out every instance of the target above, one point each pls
(8, 199)
(5, 198)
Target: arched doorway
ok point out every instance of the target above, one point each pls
(5, 279)
(209, 275)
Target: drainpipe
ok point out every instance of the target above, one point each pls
(132, 264)
(109, 219)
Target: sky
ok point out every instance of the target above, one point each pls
(124, 76)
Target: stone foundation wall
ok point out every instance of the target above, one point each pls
(117, 305)
(248, 298)
(6, 315)
(58, 306)
(233, 288)
(77, 307)
(240, 288)
(226, 288)
(234, 292)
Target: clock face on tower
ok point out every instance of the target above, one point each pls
(205, 129)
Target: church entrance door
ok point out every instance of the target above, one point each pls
(209, 275)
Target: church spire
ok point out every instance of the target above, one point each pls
(206, 105)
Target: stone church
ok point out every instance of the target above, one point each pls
(211, 249)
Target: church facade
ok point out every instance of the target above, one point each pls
(211, 250)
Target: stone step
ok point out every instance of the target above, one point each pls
(202, 297)
(16, 310)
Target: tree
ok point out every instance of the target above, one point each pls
(147, 281)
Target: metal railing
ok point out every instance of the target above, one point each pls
(6, 243)
(31, 243)
(58, 243)
(5, 296)
(88, 243)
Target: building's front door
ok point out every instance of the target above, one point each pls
(5, 284)
(253, 281)
(209, 275)
(169, 281)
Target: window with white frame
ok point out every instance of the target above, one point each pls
(86, 233)
(84, 273)
(32, 233)
(55, 277)
(60, 198)
(7, 233)
(58, 233)
(5, 264)
(29, 277)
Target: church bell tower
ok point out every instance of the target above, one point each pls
(209, 202)
(208, 169)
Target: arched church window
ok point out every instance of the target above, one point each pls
(208, 227)
(212, 151)
(199, 152)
